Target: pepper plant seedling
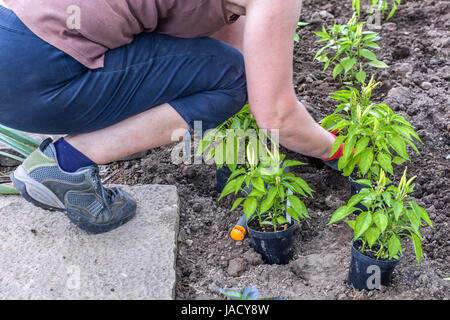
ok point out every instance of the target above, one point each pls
(271, 188)
(391, 216)
(348, 50)
(227, 143)
(374, 136)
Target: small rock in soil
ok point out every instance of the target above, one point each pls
(236, 267)
(400, 95)
(426, 85)
(197, 207)
(402, 68)
(389, 26)
(325, 14)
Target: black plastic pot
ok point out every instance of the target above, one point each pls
(366, 273)
(355, 188)
(275, 247)
(222, 176)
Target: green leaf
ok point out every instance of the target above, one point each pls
(228, 189)
(365, 182)
(373, 45)
(250, 205)
(398, 161)
(421, 212)
(298, 206)
(351, 223)
(341, 213)
(380, 220)
(385, 162)
(236, 203)
(363, 222)
(292, 163)
(397, 205)
(368, 54)
(398, 144)
(361, 145)
(361, 76)
(231, 152)
(337, 144)
(293, 214)
(219, 154)
(378, 64)
(347, 152)
(372, 235)
(302, 183)
(266, 204)
(365, 160)
(281, 220)
(417, 247)
(357, 198)
(348, 63)
(394, 246)
(415, 222)
(258, 183)
(337, 70)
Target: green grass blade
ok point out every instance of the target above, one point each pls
(16, 145)
(11, 156)
(19, 136)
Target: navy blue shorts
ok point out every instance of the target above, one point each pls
(44, 90)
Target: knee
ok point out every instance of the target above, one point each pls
(236, 82)
(231, 63)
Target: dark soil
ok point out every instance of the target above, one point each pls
(416, 45)
(369, 252)
(254, 225)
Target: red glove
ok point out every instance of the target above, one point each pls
(339, 152)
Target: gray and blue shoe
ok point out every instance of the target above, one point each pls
(81, 195)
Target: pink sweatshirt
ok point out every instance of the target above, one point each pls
(86, 29)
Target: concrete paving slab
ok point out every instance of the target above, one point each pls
(44, 256)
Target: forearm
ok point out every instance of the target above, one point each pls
(290, 123)
(299, 132)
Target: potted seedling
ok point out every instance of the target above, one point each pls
(348, 49)
(272, 206)
(390, 217)
(227, 143)
(374, 136)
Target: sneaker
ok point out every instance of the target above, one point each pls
(81, 195)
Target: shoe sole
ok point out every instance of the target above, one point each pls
(35, 192)
(40, 196)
